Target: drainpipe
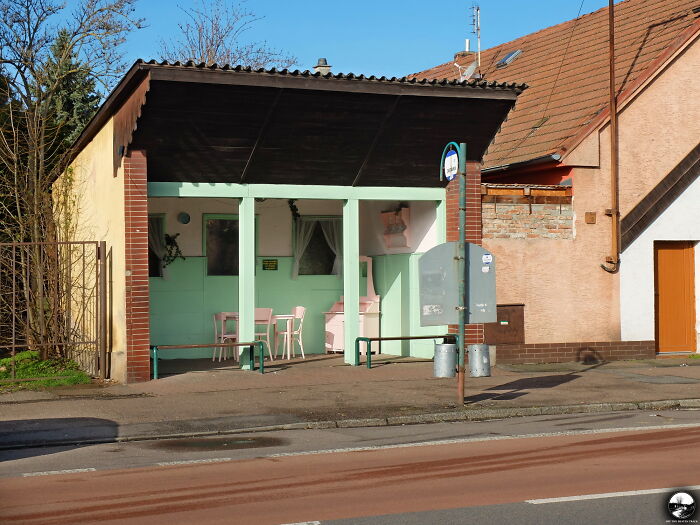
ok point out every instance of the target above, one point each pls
(612, 262)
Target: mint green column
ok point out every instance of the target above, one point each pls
(246, 273)
(441, 221)
(351, 276)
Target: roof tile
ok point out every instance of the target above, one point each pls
(566, 70)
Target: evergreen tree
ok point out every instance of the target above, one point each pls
(76, 98)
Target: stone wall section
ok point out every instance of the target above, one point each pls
(503, 220)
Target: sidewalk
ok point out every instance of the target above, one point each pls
(321, 391)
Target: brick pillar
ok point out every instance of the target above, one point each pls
(138, 366)
(474, 333)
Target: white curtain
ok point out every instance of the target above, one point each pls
(156, 240)
(304, 231)
(333, 232)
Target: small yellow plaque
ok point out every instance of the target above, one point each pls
(270, 264)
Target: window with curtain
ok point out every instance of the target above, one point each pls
(156, 245)
(318, 246)
(221, 234)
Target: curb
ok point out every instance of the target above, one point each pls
(439, 417)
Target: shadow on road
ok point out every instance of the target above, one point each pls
(35, 437)
(520, 387)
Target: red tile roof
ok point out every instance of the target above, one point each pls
(566, 69)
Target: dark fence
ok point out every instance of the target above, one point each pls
(53, 299)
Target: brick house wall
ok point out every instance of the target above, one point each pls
(473, 333)
(136, 264)
(586, 352)
(527, 221)
(518, 213)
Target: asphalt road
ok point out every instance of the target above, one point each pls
(488, 472)
(640, 509)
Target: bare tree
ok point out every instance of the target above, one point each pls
(51, 60)
(213, 33)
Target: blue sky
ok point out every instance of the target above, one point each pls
(380, 37)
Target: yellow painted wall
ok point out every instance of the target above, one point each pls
(98, 214)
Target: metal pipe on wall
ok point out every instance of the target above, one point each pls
(102, 314)
(614, 259)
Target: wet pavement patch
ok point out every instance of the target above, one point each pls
(222, 443)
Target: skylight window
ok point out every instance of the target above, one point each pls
(508, 58)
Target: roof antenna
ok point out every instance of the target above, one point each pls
(476, 25)
(466, 72)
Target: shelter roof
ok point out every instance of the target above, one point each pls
(202, 123)
(566, 69)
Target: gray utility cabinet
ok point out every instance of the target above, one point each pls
(439, 281)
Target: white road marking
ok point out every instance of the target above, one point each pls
(55, 472)
(606, 495)
(485, 438)
(194, 461)
(303, 523)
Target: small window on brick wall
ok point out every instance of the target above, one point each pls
(221, 245)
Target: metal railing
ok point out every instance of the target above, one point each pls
(251, 352)
(369, 340)
(53, 299)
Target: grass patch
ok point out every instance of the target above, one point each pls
(694, 356)
(52, 372)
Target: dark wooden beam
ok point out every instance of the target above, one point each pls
(379, 132)
(261, 135)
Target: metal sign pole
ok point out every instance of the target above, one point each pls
(450, 169)
(461, 253)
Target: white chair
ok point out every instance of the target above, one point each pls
(263, 317)
(221, 335)
(293, 332)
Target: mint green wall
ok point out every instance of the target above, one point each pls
(182, 305)
(396, 281)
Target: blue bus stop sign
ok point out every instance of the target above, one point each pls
(451, 164)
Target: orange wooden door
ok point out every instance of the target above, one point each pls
(675, 296)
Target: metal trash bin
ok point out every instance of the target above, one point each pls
(445, 360)
(479, 361)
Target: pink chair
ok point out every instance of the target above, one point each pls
(221, 335)
(263, 317)
(293, 332)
